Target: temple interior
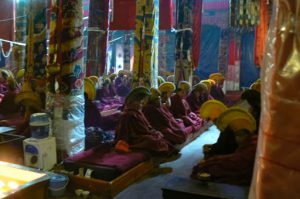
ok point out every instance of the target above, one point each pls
(149, 99)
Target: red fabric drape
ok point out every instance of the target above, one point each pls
(261, 34)
(6, 21)
(197, 12)
(124, 15)
(232, 52)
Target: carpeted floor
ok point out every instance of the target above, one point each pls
(150, 186)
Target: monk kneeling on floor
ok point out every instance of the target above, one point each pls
(135, 129)
(181, 109)
(161, 119)
(235, 168)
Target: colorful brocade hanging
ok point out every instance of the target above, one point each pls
(146, 43)
(184, 36)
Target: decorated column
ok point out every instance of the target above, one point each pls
(97, 37)
(146, 43)
(184, 36)
(65, 98)
(21, 22)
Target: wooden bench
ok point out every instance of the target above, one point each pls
(186, 188)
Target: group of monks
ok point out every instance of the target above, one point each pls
(156, 120)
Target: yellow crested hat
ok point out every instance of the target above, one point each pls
(216, 76)
(154, 91)
(200, 87)
(89, 88)
(237, 118)
(94, 79)
(212, 109)
(123, 72)
(113, 75)
(20, 73)
(28, 98)
(7, 73)
(255, 86)
(184, 85)
(167, 87)
(160, 80)
(136, 93)
(208, 83)
(171, 78)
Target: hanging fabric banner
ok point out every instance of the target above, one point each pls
(65, 99)
(97, 37)
(261, 33)
(223, 52)
(184, 37)
(146, 44)
(197, 16)
(127, 50)
(125, 11)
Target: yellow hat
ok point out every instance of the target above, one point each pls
(28, 98)
(167, 87)
(160, 80)
(123, 72)
(7, 73)
(137, 93)
(94, 79)
(200, 87)
(89, 88)
(154, 91)
(208, 83)
(212, 109)
(237, 118)
(113, 75)
(20, 73)
(170, 78)
(255, 86)
(184, 85)
(216, 76)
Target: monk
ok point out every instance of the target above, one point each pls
(235, 168)
(216, 89)
(123, 88)
(181, 109)
(134, 128)
(196, 97)
(8, 105)
(166, 89)
(103, 91)
(162, 120)
(92, 117)
(226, 143)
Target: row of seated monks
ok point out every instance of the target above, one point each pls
(156, 120)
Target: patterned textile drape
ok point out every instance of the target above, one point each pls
(261, 33)
(184, 37)
(146, 43)
(65, 66)
(197, 12)
(97, 37)
(21, 22)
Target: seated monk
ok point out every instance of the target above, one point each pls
(181, 109)
(135, 129)
(162, 120)
(8, 106)
(209, 83)
(103, 91)
(195, 98)
(123, 89)
(216, 89)
(226, 143)
(166, 89)
(235, 168)
(112, 87)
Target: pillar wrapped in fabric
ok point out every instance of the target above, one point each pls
(97, 37)
(39, 12)
(184, 36)
(146, 43)
(277, 170)
(261, 33)
(65, 99)
(21, 23)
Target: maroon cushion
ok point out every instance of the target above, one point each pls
(104, 158)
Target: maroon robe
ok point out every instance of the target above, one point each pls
(181, 109)
(8, 105)
(194, 103)
(134, 128)
(236, 168)
(162, 120)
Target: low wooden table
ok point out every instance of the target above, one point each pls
(186, 188)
